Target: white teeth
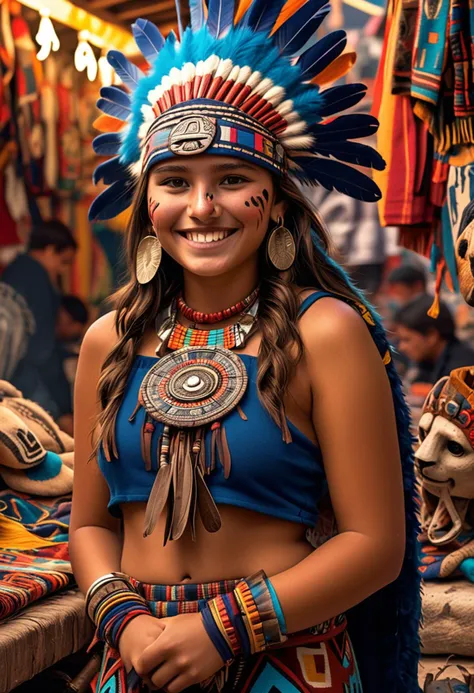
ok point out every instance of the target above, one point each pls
(208, 237)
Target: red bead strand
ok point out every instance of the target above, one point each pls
(211, 318)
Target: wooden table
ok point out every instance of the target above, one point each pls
(40, 636)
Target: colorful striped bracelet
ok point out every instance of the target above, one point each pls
(245, 621)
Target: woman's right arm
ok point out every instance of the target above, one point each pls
(94, 535)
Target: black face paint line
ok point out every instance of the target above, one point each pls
(152, 207)
(265, 194)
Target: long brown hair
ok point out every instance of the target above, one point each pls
(281, 346)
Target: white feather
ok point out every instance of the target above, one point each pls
(210, 65)
(244, 74)
(254, 79)
(166, 83)
(234, 73)
(189, 70)
(291, 117)
(301, 142)
(224, 68)
(176, 76)
(274, 95)
(143, 129)
(295, 128)
(284, 108)
(199, 68)
(264, 85)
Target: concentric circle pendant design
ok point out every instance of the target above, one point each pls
(194, 386)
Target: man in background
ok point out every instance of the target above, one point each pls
(36, 277)
(406, 283)
(430, 343)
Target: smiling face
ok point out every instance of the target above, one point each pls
(211, 213)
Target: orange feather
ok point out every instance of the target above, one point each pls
(287, 11)
(106, 123)
(337, 69)
(241, 10)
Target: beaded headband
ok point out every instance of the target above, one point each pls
(243, 82)
(453, 398)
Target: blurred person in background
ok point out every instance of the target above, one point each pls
(406, 283)
(60, 371)
(36, 276)
(73, 318)
(429, 343)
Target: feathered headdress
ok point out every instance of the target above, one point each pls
(244, 84)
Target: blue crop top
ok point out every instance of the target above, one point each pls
(283, 480)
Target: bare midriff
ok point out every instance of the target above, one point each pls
(247, 542)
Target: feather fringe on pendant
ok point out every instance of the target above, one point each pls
(179, 484)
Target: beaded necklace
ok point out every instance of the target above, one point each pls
(176, 336)
(219, 316)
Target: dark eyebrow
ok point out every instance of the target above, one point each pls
(170, 168)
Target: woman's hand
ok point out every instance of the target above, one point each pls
(136, 637)
(184, 655)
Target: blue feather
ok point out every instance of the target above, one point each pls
(220, 17)
(314, 60)
(148, 39)
(334, 175)
(196, 10)
(113, 109)
(338, 99)
(112, 201)
(352, 152)
(262, 15)
(107, 144)
(298, 29)
(346, 127)
(127, 71)
(119, 96)
(179, 17)
(110, 171)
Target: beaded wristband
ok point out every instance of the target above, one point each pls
(247, 620)
(112, 602)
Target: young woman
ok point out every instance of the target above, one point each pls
(235, 388)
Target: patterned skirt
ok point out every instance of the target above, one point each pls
(317, 659)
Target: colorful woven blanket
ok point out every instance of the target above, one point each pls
(34, 559)
(443, 72)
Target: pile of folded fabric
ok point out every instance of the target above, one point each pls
(36, 472)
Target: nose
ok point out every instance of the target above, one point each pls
(424, 465)
(201, 204)
(471, 262)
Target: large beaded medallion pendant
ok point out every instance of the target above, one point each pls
(190, 390)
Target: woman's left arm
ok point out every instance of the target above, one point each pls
(354, 418)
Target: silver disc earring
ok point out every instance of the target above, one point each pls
(148, 258)
(281, 247)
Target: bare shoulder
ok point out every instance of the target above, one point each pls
(333, 328)
(100, 338)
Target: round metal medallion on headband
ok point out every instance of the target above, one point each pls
(192, 135)
(194, 386)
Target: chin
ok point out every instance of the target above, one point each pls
(209, 267)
